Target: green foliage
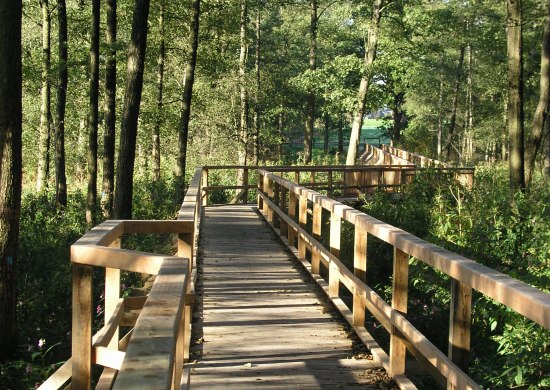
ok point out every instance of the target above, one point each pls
(508, 351)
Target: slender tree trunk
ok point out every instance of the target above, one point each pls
(243, 141)
(130, 112)
(440, 120)
(10, 168)
(108, 184)
(256, 119)
(45, 101)
(515, 94)
(60, 175)
(398, 116)
(310, 111)
(189, 79)
(281, 128)
(93, 116)
(370, 56)
(327, 133)
(456, 93)
(160, 85)
(341, 135)
(546, 170)
(541, 114)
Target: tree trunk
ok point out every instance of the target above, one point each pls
(189, 79)
(515, 94)
(110, 112)
(541, 114)
(256, 119)
(93, 116)
(45, 101)
(327, 133)
(370, 56)
(341, 136)
(60, 175)
(310, 111)
(10, 168)
(281, 129)
(440, 120)
(456, 93)
(546, 170)
(160, 85)
(130, 112)
(243, 141)
(399, 119)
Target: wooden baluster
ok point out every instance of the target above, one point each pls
(312, 178)
(82, 326)
(245, 184)
(260, 190)
(112, 295)
(302, 218)
(292, 200)
(185, 249)
(297, 177)
(359, 270)
(460, 325)
(335, 232)
(283, 230)
(400, 288)
(270, 195)
(204, 184)
(316, 233)
(276, 200)
(330, 191)
(266, 193)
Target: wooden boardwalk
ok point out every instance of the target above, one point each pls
(263, 324)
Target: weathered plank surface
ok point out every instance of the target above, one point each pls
(262, 325)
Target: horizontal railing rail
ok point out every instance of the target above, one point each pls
(288, 205)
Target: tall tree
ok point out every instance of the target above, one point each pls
(243, 124)
(456, 95)
(310, 110)
(60, 175)
(130, 112)
(108, 184)
(10, 167)
(160, 86)
(93, 115)
(45, 100)
(515, 93)
(541, 114)
(257, 57)
(370, 56)
(189, 79)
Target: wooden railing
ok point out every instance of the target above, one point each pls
(421, 161)
(377, 156)
(295, 212)
(152, 353)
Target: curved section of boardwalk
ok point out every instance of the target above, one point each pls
(263, 326)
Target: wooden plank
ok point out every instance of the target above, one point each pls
(460, 325)
(58, 378)
(117, 258)
(108, 357)
(105, 336)
(316, 233)
(204, 183)
(157, 226)
(335, 234)
(400, 287)
(82, 326)
(106, 379)
(112, 296)
(302, 218)
(292, 201)
(360, 254)
(150, 353)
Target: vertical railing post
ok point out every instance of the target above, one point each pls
(245, 184)
(112, 295)
(316, 233)
(360, 270)
(292, 200)
(283, 225)
(82, 326)
(333, 273)
(460, 325)
(270, 192)
(260, 190)
(400, 288)
(276, 200)
(297, 177)
(266, 193)
(302, 218)
(204, 185)
(330, 192)
(186, 242)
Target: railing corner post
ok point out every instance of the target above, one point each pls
(82, 326)
(400, 286)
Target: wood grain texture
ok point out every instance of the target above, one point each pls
(263, 327)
